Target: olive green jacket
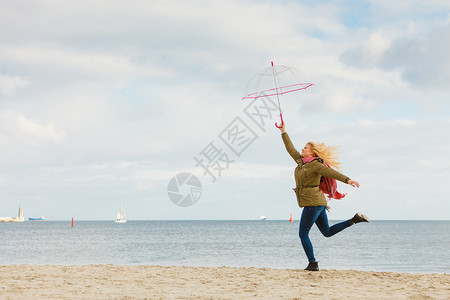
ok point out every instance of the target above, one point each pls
(307, 177)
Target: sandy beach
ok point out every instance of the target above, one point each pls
(140, 282)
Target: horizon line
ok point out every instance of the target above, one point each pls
(286, 220)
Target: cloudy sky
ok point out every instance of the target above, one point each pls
(104, 102)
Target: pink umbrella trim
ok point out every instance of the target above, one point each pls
(278, 91)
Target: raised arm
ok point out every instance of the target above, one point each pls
(289, 146)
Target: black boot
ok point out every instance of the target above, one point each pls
(312, 266)
(357, 218)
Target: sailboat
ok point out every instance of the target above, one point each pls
(121, 218)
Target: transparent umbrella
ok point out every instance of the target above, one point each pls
(275, 81)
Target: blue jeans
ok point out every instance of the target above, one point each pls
(318, 215)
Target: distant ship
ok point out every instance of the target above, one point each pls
(263, 218)
(121, 218)
(37, 219)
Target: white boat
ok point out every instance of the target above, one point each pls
(121, 218)
(263, 218)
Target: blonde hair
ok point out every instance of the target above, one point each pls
(328, 153)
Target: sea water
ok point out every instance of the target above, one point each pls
(399, 246)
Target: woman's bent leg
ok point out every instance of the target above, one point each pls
(325, 229)
(309, 217)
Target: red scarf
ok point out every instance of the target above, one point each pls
(327, 185)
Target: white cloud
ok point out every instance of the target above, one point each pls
(69, 67)
(9, 84)
(15, 124)
(421, 58)
(369, 53)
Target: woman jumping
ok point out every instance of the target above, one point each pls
(314, 176)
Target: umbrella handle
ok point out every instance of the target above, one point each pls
(282, 122)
